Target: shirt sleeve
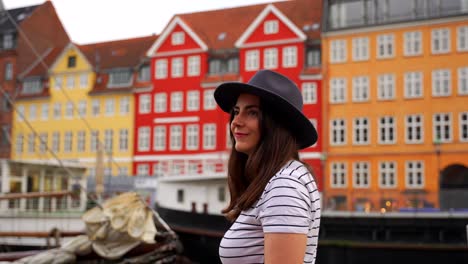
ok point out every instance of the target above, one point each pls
(285, 206)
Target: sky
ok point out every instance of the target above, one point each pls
(89, 21)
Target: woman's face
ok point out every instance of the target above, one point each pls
(245, 123)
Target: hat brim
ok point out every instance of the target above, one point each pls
(302, 129)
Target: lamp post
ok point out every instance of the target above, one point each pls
(437, 147)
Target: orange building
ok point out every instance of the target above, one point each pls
(395, 78)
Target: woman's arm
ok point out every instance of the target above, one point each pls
(285, 248)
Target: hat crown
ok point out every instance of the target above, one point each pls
(279, 85)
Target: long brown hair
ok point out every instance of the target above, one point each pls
(248, 175)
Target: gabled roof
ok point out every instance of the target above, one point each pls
(18, 15)
(65, 50)
(40, 67)
(119, 53)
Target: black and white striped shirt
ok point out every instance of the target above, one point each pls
(290, 203)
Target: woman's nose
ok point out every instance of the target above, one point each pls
(237, 120)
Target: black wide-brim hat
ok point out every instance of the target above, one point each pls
(281, 93)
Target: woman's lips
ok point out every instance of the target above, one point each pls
(240, 135)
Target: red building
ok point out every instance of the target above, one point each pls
(180, 133)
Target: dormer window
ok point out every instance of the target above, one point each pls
(215, 66)
(120, 78)
(178, 38)
(71, 62)
(8, 41)
(32, 86)
(270, 27)
(144, 73)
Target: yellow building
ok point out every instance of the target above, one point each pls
(395, 105)
(86, 102)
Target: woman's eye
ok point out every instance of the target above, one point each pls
(253, 113)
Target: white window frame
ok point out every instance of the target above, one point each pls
(177, 67)
(338, 174)
(144, 106)
(338, 128)
(159, 138)
(82, 107)
(271, 27)
(361, 89)
(209, 136)
(19, 144)
(463, 81)
(386, 87)
(413, 81)
(161, 69)
(361, 127)
(191, 137)
(95, 107)
(209, 102)
(412, 43)
(360, 49)
(45, 111)
(252, 60)
(143, 138)
(338, 51)
(414, 127)
(441, 82)
(109, 140)
(124, 105)
(193, 65)
(178, 38)
(58, 82)
(411, 170)
(338, 91)
(387, 132)
(94, 140)
(361, 173)
(109, 106)
(32, 112)
(84, 80)
(81, 141)
(175, 137)
(193, 100)
(69, 110)
(68, 142)
(56, 142)
(177, 101)
(123, 139)
(289, 57)
(160, 103)
(463, 126)
(440, 40)
(387, 172)
(309, 92)
(142, 170)
(385, 46)
(70, 82)
(57, 111)
(442, 122)
(43, 142)
(270, 58)
(462, 38)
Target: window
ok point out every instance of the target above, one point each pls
(360, 89)
(193, 100)
(462, 38)
(289, 57)
(178, 38)
(8, 41)
(20, 113)
(81, 141)
(142, 170)
(463, 122)
(442, 127)
(57, 110)
(209, 102)
(5, 103)
(361, 131)
(45, 111)
(32, 112)
(96, 107)
(143, 138)
(252, 59)
(386, 87)
(309, 92)
(159, 140)
(193, 65)
(123, 171)
(160, 102)
(19, 143)
(31, 143)
(440, 41)
(58, 82)
(120, 78)
(209, 136)
(385, 46)
(84, 80)
(94, 141)
(413, 85)
(180, 196)
(338, 51)
(387, 132)
(176, 138)
(71, 63)
(70, 81)
(215, 66)
(161, 69)
(68, 139)
(69, 110)
(82, 108)
(441, 83)
(8, 71)
(108, 140)
(463, 81)
(233, 65)
(123, 139)
(110, 107)
(387, 174)
(414, 174)
(338, 132)
(413, 43)
(221, 194)
(144, 73)
(145, 104)
(360, 49)
(270, 58)
(313, 58)
(124, 105)
(177, 69)
(338, 90)
(270, 27)
(338, 175)
(361, 174)
(32, 86)
(414, 129)
(177, 102)
(191, 137)
(43, 142)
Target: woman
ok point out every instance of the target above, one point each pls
(274, 198)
